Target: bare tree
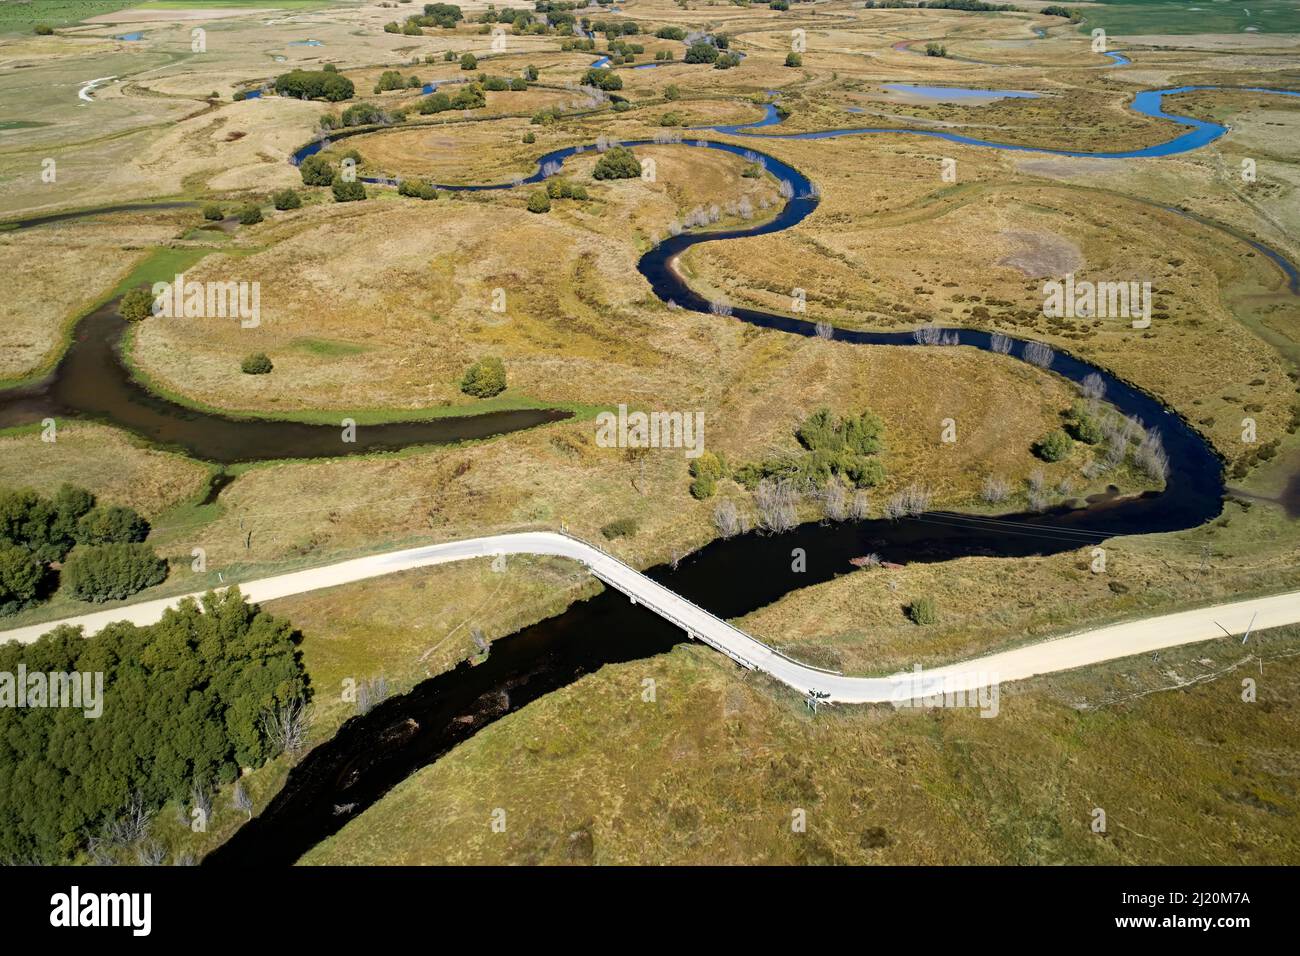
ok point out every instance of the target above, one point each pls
(927, 334)
(150, 853)
(240, 799)
(720, 307)
(824, 329)
(995, 490)
(1036, 353)
(286, 726)
(778, 504)
(1000, 343)
(835, 500)
(912, 500)
(1036, 481)
(480, 642)
(726, 518)
(371, 693)
(1093, 387)
(860, 507)
(1151, 457)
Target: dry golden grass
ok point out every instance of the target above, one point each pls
(713, 770)
(117, 469)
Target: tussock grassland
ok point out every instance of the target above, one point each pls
(714, 769)
(116, 468)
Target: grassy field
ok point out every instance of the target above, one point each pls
(378, 307)
(713, 770)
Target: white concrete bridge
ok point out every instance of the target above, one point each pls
(1063, 653)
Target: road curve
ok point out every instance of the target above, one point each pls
(1064, 653)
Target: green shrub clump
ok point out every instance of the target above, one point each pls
(1054, 446)
(923, 611)
(110, 572)
(259, 363)
(485, 378)
(617, 162)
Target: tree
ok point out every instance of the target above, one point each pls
(468, 61)
(345, 191)
(286, 199)
(186, 696)
(136, 305)
(435, 103)
(21, 576)
(935, 49)
(617, 162)
(110, 572)
(602, 79)
(701, 52)
(1054, 446)
(539, 202)
(251, 214)
(258, 363)
(316, 171)
(112, 525)
(485, 378)
(314, 85)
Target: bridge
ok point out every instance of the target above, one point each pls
(1077, 650)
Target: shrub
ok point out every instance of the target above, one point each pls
(44, 30)
(361, 114)
(112, 525)
(531, 73)
(672, 92)
(110, 572)
(539, 202)
(345, 191)
(286, 199)
(706, 471)
(448, 56)
(136, 305)
(417, 189)
(935, 49)
(468, 61)
(213, 212)
(530, 137)
(620, 528)
(1054, 446)
(485, 378)
(495, 84)
(251, 214)
(256, 364)
(923, 611)
(316, 171)
(435, 103)
(617, 162)
(793, 59)
(621, 106)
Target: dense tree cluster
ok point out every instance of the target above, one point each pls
(182, 711)
(314, 85)
(36, 531)
(602, 79)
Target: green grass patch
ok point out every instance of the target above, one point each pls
(1160, 17)
(327, 348)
